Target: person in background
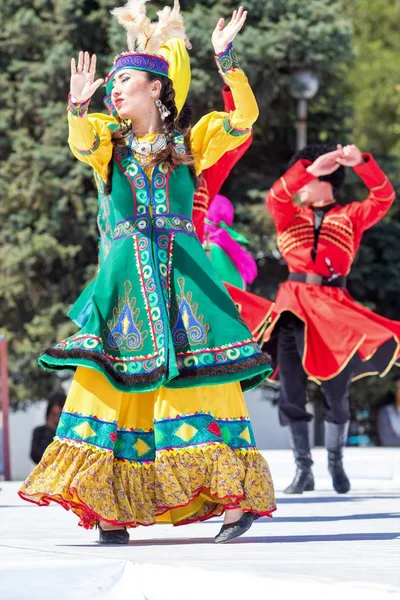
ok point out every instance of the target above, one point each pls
(317, 330)
(43, 435)
(389, 419)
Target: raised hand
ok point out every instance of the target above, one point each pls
(351, 156)
(83, 85)
(223, 35)
(326, 163)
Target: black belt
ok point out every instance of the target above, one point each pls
(314, 279)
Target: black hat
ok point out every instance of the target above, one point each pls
(312, 152)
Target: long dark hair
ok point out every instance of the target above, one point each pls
(170, 155)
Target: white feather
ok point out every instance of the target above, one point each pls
(133, 18)
(142, 34)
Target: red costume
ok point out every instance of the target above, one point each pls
(336, 327)
(254, 309)
(212, 179)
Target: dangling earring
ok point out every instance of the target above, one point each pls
(164, 112)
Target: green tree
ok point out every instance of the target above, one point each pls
(374, 86)
(48, 238)
(48, 213)
(374, 77)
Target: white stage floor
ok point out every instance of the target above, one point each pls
(318, 545)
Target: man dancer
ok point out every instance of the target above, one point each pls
(318, 331)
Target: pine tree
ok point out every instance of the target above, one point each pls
(48, 237)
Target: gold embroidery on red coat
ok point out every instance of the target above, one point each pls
(286, 200)
(295, 243)
(379, 187)
(285, 187)
(383, 198)
(326, 236)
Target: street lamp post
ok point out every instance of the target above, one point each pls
(303, 87)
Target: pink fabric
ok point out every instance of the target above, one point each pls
(221, 209)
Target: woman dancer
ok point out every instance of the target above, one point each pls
(155, 428)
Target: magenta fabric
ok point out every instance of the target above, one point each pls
(221, 209)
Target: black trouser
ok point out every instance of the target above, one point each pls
(293, 379)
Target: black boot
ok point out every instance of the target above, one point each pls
(335, 440)
(300, 441)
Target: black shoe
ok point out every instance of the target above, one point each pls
(335, 440)
(113, 536)
(236, 529)
(303, 482)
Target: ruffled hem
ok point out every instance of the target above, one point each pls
(249, 371)
(337, 330)
(179, 487)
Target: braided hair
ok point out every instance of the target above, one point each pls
(169, 155)
(311, 153)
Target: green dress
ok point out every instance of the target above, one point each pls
(157, 313)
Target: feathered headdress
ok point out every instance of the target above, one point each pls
(145, 36)
(157, 47)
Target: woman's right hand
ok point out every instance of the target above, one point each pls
(82, 85)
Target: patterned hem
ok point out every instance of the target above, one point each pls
(250, 371)
(156, 376)
(184, 487)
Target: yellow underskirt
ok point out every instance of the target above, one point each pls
(91, 393)
(181, 485)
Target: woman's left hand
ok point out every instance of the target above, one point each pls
(224, 35)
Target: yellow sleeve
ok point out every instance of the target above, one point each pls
(219, 132)
(90, 140)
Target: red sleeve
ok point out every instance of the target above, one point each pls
(280, 196)
(229, 103)
(380, 198)
(218, 173)
(214, 177)
(200, 206)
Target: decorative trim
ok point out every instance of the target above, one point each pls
(172, 223)
(93, 148)
(151, 63)
(275, 197)
(285, 187)
(202, 428)
(125, 330)
(189, 329)
(384, 198)
(78, 109)
(234, 131)
(382, 185)
(151, 378)
(227, 60)
(137, 445)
